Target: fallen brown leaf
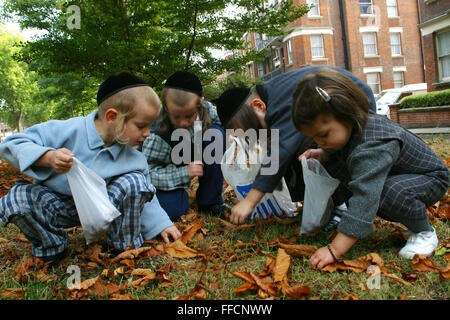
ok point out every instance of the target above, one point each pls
(13, 293)
(189, 232)
(299, 250)
(178, 249)
(282, 264)
(352, 296)
(131, 254)
(357, 265)
(297, 292)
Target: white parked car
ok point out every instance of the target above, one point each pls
(391, 96)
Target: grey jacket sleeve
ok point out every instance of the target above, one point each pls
(369, 165)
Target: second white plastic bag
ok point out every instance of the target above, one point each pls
(95, 210)
(240, 167)
(317, 203)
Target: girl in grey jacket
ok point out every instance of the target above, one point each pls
(387, 170)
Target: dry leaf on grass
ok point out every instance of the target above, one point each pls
(297, 292)
(299, 250)
(282, 264)
(424, 263)
(357, 265)
(190, 231)
(31, 267)
(3, 240)
(178, 249)
(94, 287)
(131, 254)
(13, 293)
(352, 296)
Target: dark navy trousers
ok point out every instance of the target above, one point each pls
(209, 192)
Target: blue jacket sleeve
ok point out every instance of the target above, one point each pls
(154, 219)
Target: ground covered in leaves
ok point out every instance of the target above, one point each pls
(263, 259)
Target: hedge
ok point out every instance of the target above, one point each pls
(431, 99)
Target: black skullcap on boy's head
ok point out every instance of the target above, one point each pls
(118, 82)
(229, 103)
(186, 81)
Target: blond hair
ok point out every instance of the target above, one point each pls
(124, 102)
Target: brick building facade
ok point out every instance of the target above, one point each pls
(435, 30)
(377, 40)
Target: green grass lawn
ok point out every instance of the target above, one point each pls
(226, 251)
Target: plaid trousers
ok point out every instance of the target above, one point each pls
(406, 197)
(42, 214)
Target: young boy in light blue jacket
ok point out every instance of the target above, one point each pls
(103, 141)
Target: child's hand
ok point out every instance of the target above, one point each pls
(318, 154)
(60, 160)
(172, 232)
(321, 258)
(241, 211)
(195, 169)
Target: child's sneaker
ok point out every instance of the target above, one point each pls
(420, 243)
(335, 218)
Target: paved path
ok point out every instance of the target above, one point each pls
(444, 130)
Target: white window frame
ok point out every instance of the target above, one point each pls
(392, 8)
(370, 45)
(289, 51)
(443, 56)
(315, 11)
(396, 43)
(400, 81)
(374, 85)
(276, 58)
(317, 51)
(369, 4)
(260, 67)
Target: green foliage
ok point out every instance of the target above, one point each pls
(431, 99)
(214, 90)
(152, 38)
(18, 84)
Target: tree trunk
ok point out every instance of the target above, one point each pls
(19, 118)
(194, 34)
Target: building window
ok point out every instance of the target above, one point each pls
(373, 81)
(392, 8)
(289, 51)
(370, 43)
(365, 7)
(260, 69)
(317, 46)
(398, 79)
(276, 58)
(443, 55)
(396, 45)
(314, 8)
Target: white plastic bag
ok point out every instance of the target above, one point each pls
(317, 204)
(240, 167)
(95, 210)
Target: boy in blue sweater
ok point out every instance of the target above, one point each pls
(104, 142)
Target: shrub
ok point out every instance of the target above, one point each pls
(431, 99)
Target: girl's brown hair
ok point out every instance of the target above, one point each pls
(348, 102)
(182, 98)
(124, 102)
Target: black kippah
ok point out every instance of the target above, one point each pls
(229, 102)
(118, 82)
(186, 81)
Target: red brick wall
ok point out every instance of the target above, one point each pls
(433, 9)
(423, 119)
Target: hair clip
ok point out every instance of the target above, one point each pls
(323, 94)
